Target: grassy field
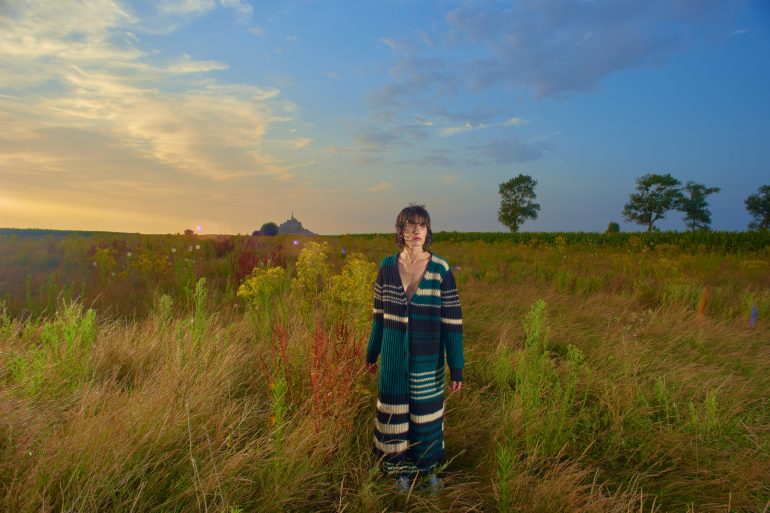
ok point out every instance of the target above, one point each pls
(161, 373)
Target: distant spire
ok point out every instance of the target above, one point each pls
(292, 214)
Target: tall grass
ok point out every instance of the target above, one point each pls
(615, 393)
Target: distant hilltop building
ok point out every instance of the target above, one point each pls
(293, 227)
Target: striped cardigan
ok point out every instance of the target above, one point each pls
(411, 339)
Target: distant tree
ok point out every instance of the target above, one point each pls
(758, 206)
(189, 232)
(256, 233)
(269, 229)
(697, 216)
(613, 227)
(516, 205)
(657, 194)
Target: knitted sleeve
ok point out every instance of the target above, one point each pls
(375, 338)
(452, 326)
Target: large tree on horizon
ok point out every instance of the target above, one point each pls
(758, 205)
(657, 194)
(516, 201)
(697, 216)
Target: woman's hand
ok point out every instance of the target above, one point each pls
(455, 386)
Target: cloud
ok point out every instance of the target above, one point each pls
(382, 137)
(511, 149)
(514, 122)
(550, 47)
(470, 126)
(257, 31)
(423, 121)
(98, 80)
(381, 187)
(300, 142)
(188, 65)
(242, 9)
(454, 130)
(451, 179)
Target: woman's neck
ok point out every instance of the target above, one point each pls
(412, 254)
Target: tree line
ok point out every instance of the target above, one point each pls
(655, 196)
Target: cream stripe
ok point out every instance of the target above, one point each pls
(423, 397)
(425, 373)
(422, 380)
(398, 318)
(390, 447)
(392, 429)
(378, 310)
(432, 276)
(395, 409)
(440, 261)
(428, 292)
(422, 419)
(451, 321)
(417, 387)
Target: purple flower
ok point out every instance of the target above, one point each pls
(343, 251)
(754, 315)
(457, 268)
(296, 242)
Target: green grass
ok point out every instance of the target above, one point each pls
(597, 379)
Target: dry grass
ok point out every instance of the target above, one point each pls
(670, 414)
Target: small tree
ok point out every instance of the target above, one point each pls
(657, 195)
(697, 216)
(269, 229)
(516, 205)
(613, 227)
(758, 206)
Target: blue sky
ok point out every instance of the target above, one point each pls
(158, 116)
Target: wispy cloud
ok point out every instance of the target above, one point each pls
(241, 8)
(300, 142)
(512, 149)
(381, 187)
(188, 65)
(99, 79)
(454, 130)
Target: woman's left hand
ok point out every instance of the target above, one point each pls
(455, 386)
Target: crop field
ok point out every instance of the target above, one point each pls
(170, 373)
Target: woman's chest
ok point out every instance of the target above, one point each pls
(411, 274)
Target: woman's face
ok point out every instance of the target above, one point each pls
(415, 234)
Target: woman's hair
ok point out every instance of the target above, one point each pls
(413, 214)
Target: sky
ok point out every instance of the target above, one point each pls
(221, 115)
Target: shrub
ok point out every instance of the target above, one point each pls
(348, 297)
(311, 275)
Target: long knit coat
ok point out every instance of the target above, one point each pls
(411, 338)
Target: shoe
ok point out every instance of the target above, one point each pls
(433, 484)
(404, 484)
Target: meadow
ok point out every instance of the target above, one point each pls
(604, 373)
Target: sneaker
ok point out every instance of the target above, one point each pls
(404, 484)
(433, 483)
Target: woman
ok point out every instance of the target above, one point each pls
(417, 319)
